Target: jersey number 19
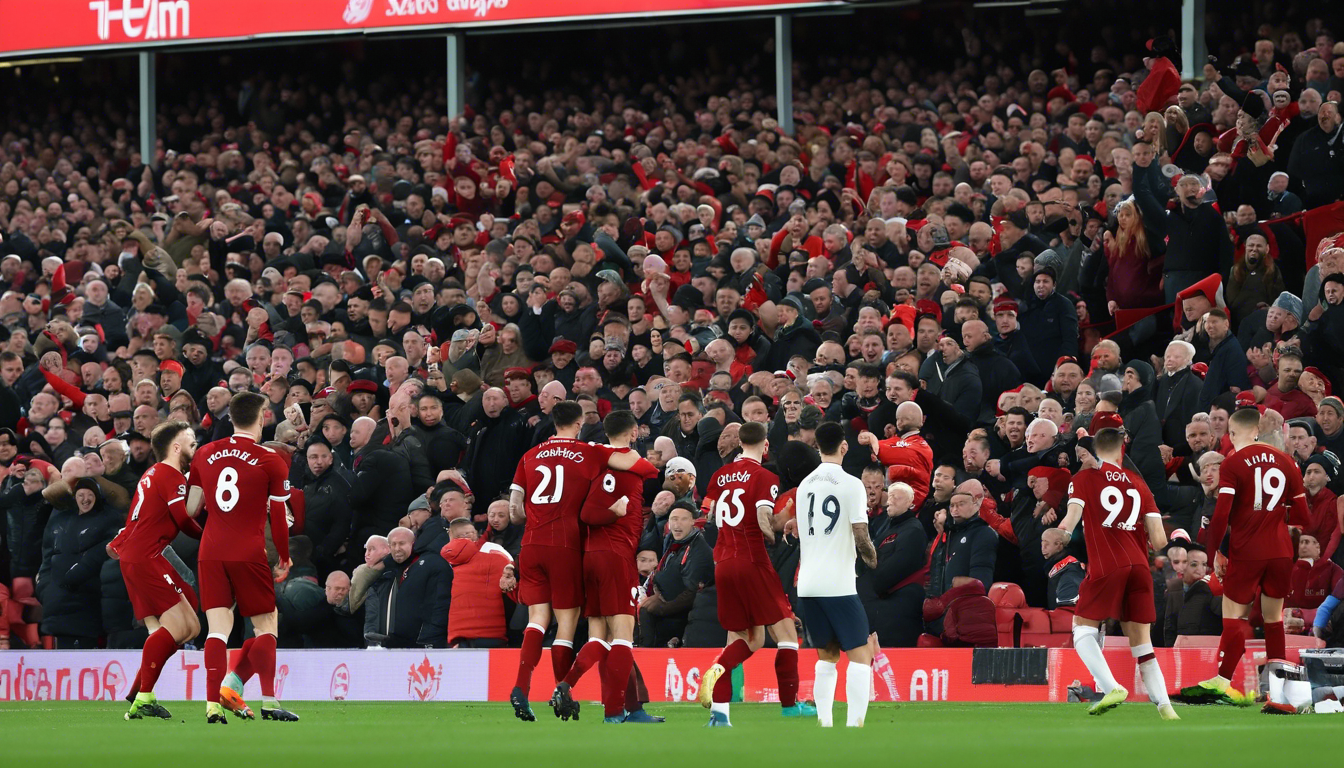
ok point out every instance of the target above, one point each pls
(830, 507)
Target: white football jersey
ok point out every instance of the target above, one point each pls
(830, 501)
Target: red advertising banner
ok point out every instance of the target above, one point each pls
(672, 675)
(95, 24)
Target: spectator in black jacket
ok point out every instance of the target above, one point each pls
(1198, 244)
(496, 443)
(1227, 360)
(1176, 396)
(1063, 570)
(687, 564)
(382, 489)
(793, 336)
(443, 444)
(998, 374)
(967, 547)
(1317, 159)
(955, 378)
(26, 514)
(1049, 321)
(1013, 343)
(419, 598)
(894, 594)
(74, 548)
(327, 516)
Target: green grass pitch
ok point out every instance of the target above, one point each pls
(400, 734)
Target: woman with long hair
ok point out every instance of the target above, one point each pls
(1134, 258)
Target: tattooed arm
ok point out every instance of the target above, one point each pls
(864, 545)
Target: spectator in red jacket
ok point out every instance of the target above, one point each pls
(1317, 472)
(907, 455)
(478, 615)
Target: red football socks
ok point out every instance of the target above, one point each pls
(592, 652)
(1231, 646)
(562, 658)
(135, 681)
(529, 657)
(262, 656)
(158, 649)
(786, 672)
(737, 652)
(616, 675)
(1275, 644)
(216, 662)
(243, 667)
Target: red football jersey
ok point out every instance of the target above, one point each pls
(1115, 502)
(240, 479)
(160, 502)
(622, 534)
(555, 477)
(1258, 487)
(735, 491)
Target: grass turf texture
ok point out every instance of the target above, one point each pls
(373, 734)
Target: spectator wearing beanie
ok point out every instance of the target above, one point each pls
(1330, 418)
(1049, 321)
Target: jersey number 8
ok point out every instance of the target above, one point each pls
(226, 493)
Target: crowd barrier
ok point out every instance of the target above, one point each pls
(672, 675)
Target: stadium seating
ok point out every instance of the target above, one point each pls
(1037, 625)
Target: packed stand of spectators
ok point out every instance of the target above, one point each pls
(971, 277)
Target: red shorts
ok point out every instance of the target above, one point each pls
(551, 575)
(610, 583)
(1244, 578)
(249, 584)
(155, 587)
(749, 594)
(1126, 594)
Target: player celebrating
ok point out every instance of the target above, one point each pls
(1109, 500)
(610, 580)
(239, 480)
(548, 491)
(832, 526)
(1260, 493)
(159, 596)
(750, 595)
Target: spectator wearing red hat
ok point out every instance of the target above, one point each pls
(563, 367)
(170, 378)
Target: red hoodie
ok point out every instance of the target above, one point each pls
(477, 607)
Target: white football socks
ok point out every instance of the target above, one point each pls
(1086, 641)
(1152, 675)
(823, 691)
(858, 682)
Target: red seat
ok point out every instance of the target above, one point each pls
(1061, 620)
(1009, 603)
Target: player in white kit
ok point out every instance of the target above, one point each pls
(832, 511)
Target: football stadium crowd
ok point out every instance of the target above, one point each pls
(972, 265)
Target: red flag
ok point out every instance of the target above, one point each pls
(1320, 226)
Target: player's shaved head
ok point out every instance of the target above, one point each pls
(245, 409)
(1243, 426)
